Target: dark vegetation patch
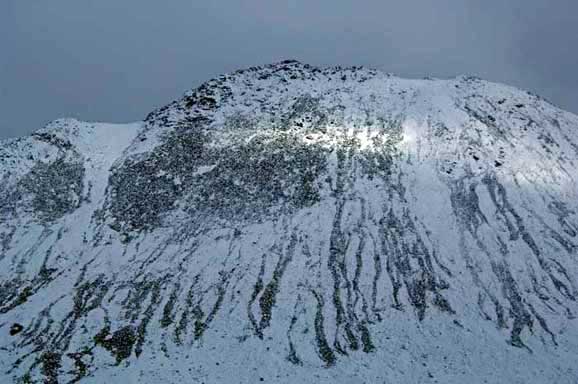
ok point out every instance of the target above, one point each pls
(17, 291)
(119, 344)
(51, 138)
(256, 178)
(262, 169)
(56, 188)
(142, 189)
(243, 181)
(50, 365)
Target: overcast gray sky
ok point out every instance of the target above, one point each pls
(116, 60)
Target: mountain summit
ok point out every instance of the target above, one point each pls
(287, 224)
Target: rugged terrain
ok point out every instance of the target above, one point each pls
(288, 223)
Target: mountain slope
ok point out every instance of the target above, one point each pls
(291, 223)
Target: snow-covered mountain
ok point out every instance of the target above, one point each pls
(287, 224)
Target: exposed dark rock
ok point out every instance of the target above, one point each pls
(16, 329)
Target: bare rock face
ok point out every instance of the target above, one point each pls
(289, 224)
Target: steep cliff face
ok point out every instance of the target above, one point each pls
(287, 223)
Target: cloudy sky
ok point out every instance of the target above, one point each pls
(116, 60)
